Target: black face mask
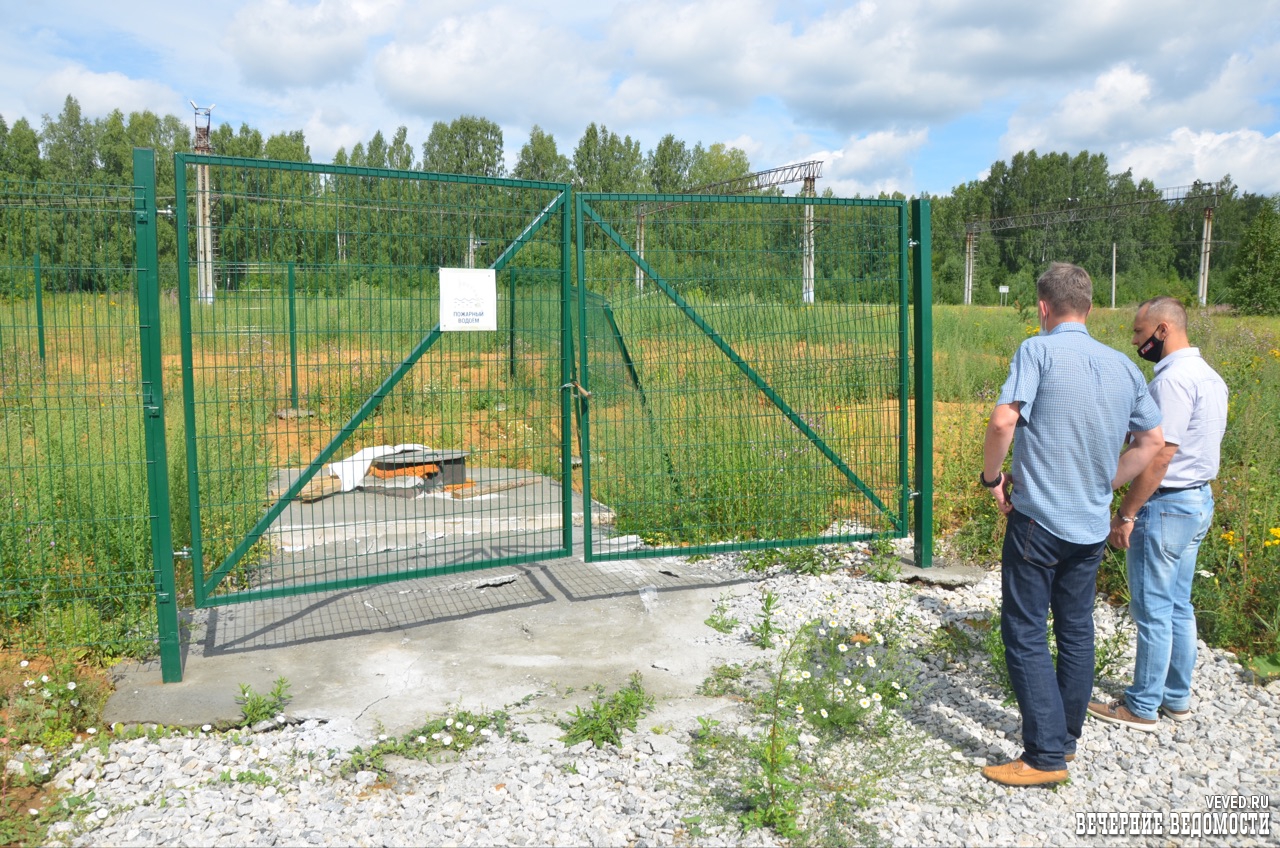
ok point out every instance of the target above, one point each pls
(1152, 349)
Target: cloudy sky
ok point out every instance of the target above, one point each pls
(907, 95)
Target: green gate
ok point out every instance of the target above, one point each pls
(745, 372)
(335, 434)
(733, 372)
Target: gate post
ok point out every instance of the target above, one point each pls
(567, 310)
(146, 260)
(922, 294)
(584, 414)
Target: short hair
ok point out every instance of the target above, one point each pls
(1066, 289)
(1166, 309)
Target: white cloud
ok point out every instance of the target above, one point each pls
(276, 43)
(870, 164)
(709, 50)
(1250, 157)
(746, 144)
(328, 130)
(503, 64)
(1116, 104)
(1160, 78)
(99, 93)
(865, 66)
(1125, 109)
(851, 66)
(641, 99)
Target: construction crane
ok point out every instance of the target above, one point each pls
(1119, 206)
(800, 172)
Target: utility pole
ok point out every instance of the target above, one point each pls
(1113, 275)
(1206, 243)
(968, 266)
(806, 262)
(472, 244)
(204, 222)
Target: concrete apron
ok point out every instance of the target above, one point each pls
(390, 656)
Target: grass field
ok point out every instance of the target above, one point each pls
(1237, 588)
(680, 464)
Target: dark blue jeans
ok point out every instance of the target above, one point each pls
(1040, 572)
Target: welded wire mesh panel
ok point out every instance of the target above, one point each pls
(335, 438)
(746, 366)
(75, 552)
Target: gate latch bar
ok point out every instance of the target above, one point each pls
(573, 384)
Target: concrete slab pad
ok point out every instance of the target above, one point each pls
(387, 656)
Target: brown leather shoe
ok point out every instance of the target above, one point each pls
(1117, 713)
(1018, 773)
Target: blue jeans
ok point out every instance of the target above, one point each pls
(1040, 572)
(1161, 564)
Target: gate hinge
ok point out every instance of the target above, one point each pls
(573, 384)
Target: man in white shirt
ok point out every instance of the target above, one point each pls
(1164, 517)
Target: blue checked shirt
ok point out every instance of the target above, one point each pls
(1079, 398)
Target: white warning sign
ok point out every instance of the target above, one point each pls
(468, 299)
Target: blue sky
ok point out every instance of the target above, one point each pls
(908, 95)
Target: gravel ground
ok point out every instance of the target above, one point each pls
(1217, 775)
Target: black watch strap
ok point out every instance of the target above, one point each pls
(990, 484)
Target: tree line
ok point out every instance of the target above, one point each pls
(1156, 243)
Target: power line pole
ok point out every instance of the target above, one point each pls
(204, 222)
(806, 262)
(1113, 275)
(1206, 242)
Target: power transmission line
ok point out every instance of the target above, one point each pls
(1117, 206)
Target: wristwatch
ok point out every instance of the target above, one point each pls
(1127, 519)
(990, 484)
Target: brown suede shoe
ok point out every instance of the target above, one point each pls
(1018, 773)
(1117, 713)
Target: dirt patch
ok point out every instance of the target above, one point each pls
(22, 728)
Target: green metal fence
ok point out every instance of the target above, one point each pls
(309, 298)
(77, 567)
(702, 373)
(746, 376)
